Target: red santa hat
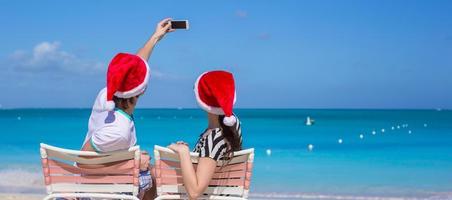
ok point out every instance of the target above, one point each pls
(127, 76)
(215, 93)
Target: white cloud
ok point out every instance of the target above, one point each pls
(157, 74)
(47, 56)
(241, 14)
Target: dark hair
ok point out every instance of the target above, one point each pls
(232, 136)
(123, 103)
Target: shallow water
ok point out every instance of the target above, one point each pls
(390, 164)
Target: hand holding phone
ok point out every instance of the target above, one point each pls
(162, 28)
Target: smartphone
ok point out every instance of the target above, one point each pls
(179, 24)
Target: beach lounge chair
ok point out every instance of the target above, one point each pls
(64, 179)
(230, 182)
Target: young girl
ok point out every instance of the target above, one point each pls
(215, 93)
(111, 125)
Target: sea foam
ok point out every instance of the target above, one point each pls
(21, 181)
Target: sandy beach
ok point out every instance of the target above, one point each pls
(6, 196)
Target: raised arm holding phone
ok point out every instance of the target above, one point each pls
(111, 125)
(161, 29)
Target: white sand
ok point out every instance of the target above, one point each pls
(5, 196)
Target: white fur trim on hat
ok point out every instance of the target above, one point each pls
(229, 121)
(140, 88)
(204, 106)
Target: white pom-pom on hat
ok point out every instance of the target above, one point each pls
(110, 105)
(229, 121)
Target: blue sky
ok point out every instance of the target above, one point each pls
(284, 54)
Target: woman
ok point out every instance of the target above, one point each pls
(111, 125)
(215, 93)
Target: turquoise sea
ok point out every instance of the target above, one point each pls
(410, 159)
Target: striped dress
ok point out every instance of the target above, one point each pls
(212, 144)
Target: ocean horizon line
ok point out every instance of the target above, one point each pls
(239, 108)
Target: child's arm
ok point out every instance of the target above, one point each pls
(162, 28)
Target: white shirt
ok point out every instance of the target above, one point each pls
(109, 130)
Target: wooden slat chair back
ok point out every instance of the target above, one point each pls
(230, 181)
(116, 180)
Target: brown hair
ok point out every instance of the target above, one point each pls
(233, 139)
(123, 103)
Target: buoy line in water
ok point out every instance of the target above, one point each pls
(310, 147)
(361, 136)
